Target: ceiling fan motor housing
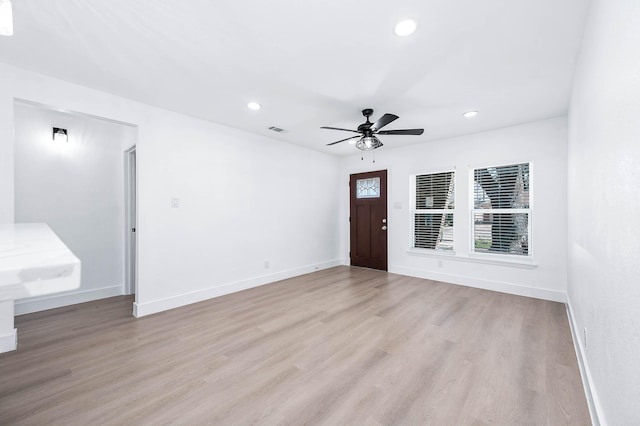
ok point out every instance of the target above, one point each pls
(365, 128)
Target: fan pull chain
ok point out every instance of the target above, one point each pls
(373, 154)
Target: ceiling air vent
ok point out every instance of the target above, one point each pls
(276, 129)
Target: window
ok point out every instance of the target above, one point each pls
(432, 209)
(501, 210)
(368, 188)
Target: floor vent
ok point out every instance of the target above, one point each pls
(276, 129)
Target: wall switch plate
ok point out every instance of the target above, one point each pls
(175, 202)
(585, 338)
(397, 205)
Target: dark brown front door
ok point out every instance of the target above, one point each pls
(369, 219)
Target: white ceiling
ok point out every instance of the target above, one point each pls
(313, 63)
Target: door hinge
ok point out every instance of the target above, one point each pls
(349, 218)
(349, 255)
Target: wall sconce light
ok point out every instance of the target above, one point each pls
(6, 18)
(60, 135)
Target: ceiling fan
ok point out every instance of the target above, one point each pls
(366, 131)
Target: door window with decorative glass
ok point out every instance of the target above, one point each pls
(502, 210)
(433, 210)
(368, 188)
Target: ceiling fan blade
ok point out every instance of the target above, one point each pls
(383, 121)
(342, 140)
(338, 128)
(401, 132)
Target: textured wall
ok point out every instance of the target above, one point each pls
(604, 206)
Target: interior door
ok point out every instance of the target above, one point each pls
(369, 219)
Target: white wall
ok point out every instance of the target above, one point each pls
(544, 144)
(604, 208)
(76, 188)
(244, 198)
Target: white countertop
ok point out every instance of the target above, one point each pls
(34, 262)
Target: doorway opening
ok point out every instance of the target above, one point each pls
(76, 186)
(131, 220)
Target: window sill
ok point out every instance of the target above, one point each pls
(498, 260)
(430, 253)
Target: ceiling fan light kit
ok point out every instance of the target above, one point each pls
(368, 143)
(366, 139)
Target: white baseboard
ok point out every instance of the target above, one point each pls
(148, 308)
(9, 342)
(503, 287)
(36, 304)
(595, 408)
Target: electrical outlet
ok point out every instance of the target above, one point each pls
(266, 264)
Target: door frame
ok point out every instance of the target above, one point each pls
(130, 222)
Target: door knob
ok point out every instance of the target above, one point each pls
(384, 220)
(384, 227)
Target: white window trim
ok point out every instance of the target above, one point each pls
(497, 257)
(413, 211)
(418, 251)
(488, 259)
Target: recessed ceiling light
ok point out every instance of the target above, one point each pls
(405, 28)
(470, 114)
(6, 18)
(254, 106)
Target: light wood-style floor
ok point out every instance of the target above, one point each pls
(339, 346)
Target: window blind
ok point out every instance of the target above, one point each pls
(501, 213)
(432, 210)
